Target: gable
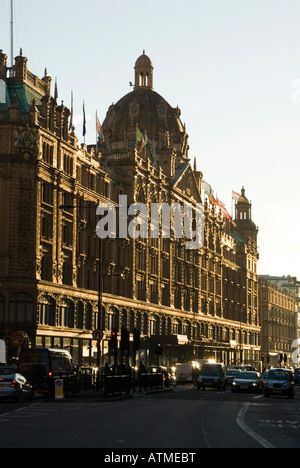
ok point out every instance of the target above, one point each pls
(185, 182)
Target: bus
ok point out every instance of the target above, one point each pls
(41, 366)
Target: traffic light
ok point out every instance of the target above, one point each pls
(136, 339)
(124, 339)
(262, 358)
(268, 357)
(114, 340)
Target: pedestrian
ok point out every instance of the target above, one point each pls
(142, 368)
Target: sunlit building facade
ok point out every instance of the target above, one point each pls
(59, 281)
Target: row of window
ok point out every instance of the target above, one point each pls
(82, 316)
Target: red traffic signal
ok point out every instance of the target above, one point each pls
(114, 339)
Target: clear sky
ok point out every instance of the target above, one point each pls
(232, 66)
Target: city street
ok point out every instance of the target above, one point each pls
(180, 419)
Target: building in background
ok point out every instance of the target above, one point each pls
(279, 318)
(59, 282)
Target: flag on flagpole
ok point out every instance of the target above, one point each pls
(140, 139)
(153, 153)
(72, 112)
(236, 196)
(55, 90)
(99, 128)
(148, 145)
(84, 121)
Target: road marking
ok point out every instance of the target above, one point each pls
(240, 419)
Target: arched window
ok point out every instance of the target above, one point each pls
(154, 325)
(46, 309)
(89, 317)
(113, 318)
(79, 315)
(66, 314)
(20, 308)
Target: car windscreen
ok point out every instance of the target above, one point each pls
(247, 375)
(279, 375)
(211, 369)
(61, 362)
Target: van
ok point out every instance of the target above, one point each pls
(184, 373)
(41, 366)
(212, 375)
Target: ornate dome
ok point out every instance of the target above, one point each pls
(147, 110)
(143, 61)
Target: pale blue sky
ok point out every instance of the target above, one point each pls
(230, 66)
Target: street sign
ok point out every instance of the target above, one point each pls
(18, 338)
(97, 335)
(59, 389)
(158, 350)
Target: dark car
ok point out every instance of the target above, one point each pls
(212, 375)
(297, 376)
(247, 381)
(265, 375)
(14, 385)
(231, 374)
(280, 382)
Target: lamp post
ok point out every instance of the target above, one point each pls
(99, 318)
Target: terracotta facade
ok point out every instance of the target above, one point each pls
(196, 303)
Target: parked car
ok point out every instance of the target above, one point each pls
(212, 375)
(248, 381)
(168, 377)
(231, 374)
(280, 382)
(14, 385)
(297, 376)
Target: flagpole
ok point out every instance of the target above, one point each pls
(12, 32)
(96, 133)
(84, 123)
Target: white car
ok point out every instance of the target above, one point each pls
(13, 385)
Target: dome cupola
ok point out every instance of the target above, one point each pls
(143, 72)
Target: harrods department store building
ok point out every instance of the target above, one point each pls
(195, 303)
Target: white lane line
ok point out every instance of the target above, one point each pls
(240, 419)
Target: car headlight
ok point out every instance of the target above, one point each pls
(234, 382)
(254, 384)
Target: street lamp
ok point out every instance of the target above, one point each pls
(66, 207)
